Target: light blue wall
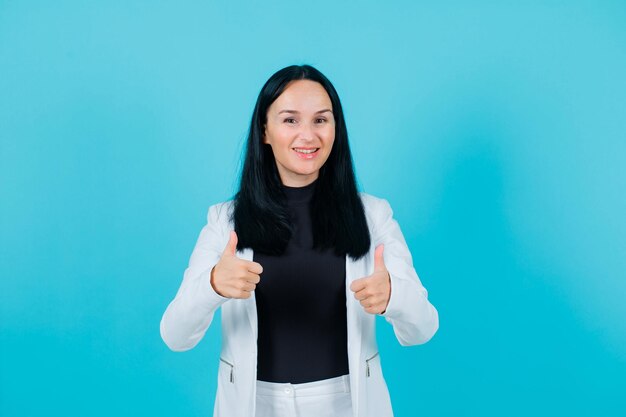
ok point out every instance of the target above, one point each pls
(496, 131)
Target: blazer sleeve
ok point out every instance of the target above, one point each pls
(414, 319)
(190, 313)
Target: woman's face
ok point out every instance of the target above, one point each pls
(301, 131)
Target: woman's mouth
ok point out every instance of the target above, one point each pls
(306, 153)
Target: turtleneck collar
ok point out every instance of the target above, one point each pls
(299, 194)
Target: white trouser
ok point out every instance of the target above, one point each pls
(324, 398)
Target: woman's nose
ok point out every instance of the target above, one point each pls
(307, 131)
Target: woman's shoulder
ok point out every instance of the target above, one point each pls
(220, 212)
(376, 209)
(377, 212)
(371, 202)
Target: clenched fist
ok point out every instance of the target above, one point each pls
(374, 290)
(233, 277)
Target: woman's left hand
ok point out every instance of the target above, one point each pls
(374, 290)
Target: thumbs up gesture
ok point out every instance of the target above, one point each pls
(233, 277)
(374, 290)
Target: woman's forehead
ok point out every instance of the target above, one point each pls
(302, 96)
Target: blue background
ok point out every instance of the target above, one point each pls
(496, 130)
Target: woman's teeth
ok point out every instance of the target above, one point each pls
(305, 150)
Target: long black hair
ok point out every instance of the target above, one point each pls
(261, 218)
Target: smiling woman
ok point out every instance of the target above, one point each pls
(300, 263)
(300, 129)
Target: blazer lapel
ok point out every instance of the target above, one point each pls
(354, 270)
(250, 303)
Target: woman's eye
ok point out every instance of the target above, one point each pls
(290, 120)
(321, 120)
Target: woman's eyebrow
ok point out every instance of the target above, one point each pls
(297, 112)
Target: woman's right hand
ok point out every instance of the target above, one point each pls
(233, 277)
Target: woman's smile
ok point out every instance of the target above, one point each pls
(306, 153)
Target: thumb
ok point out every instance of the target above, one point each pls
(231, 246)
(379, 261)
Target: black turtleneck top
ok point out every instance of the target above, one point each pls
(301, 305)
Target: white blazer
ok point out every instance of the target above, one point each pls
(188, 316)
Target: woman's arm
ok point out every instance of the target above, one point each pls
(189, 315)
(414, 319)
